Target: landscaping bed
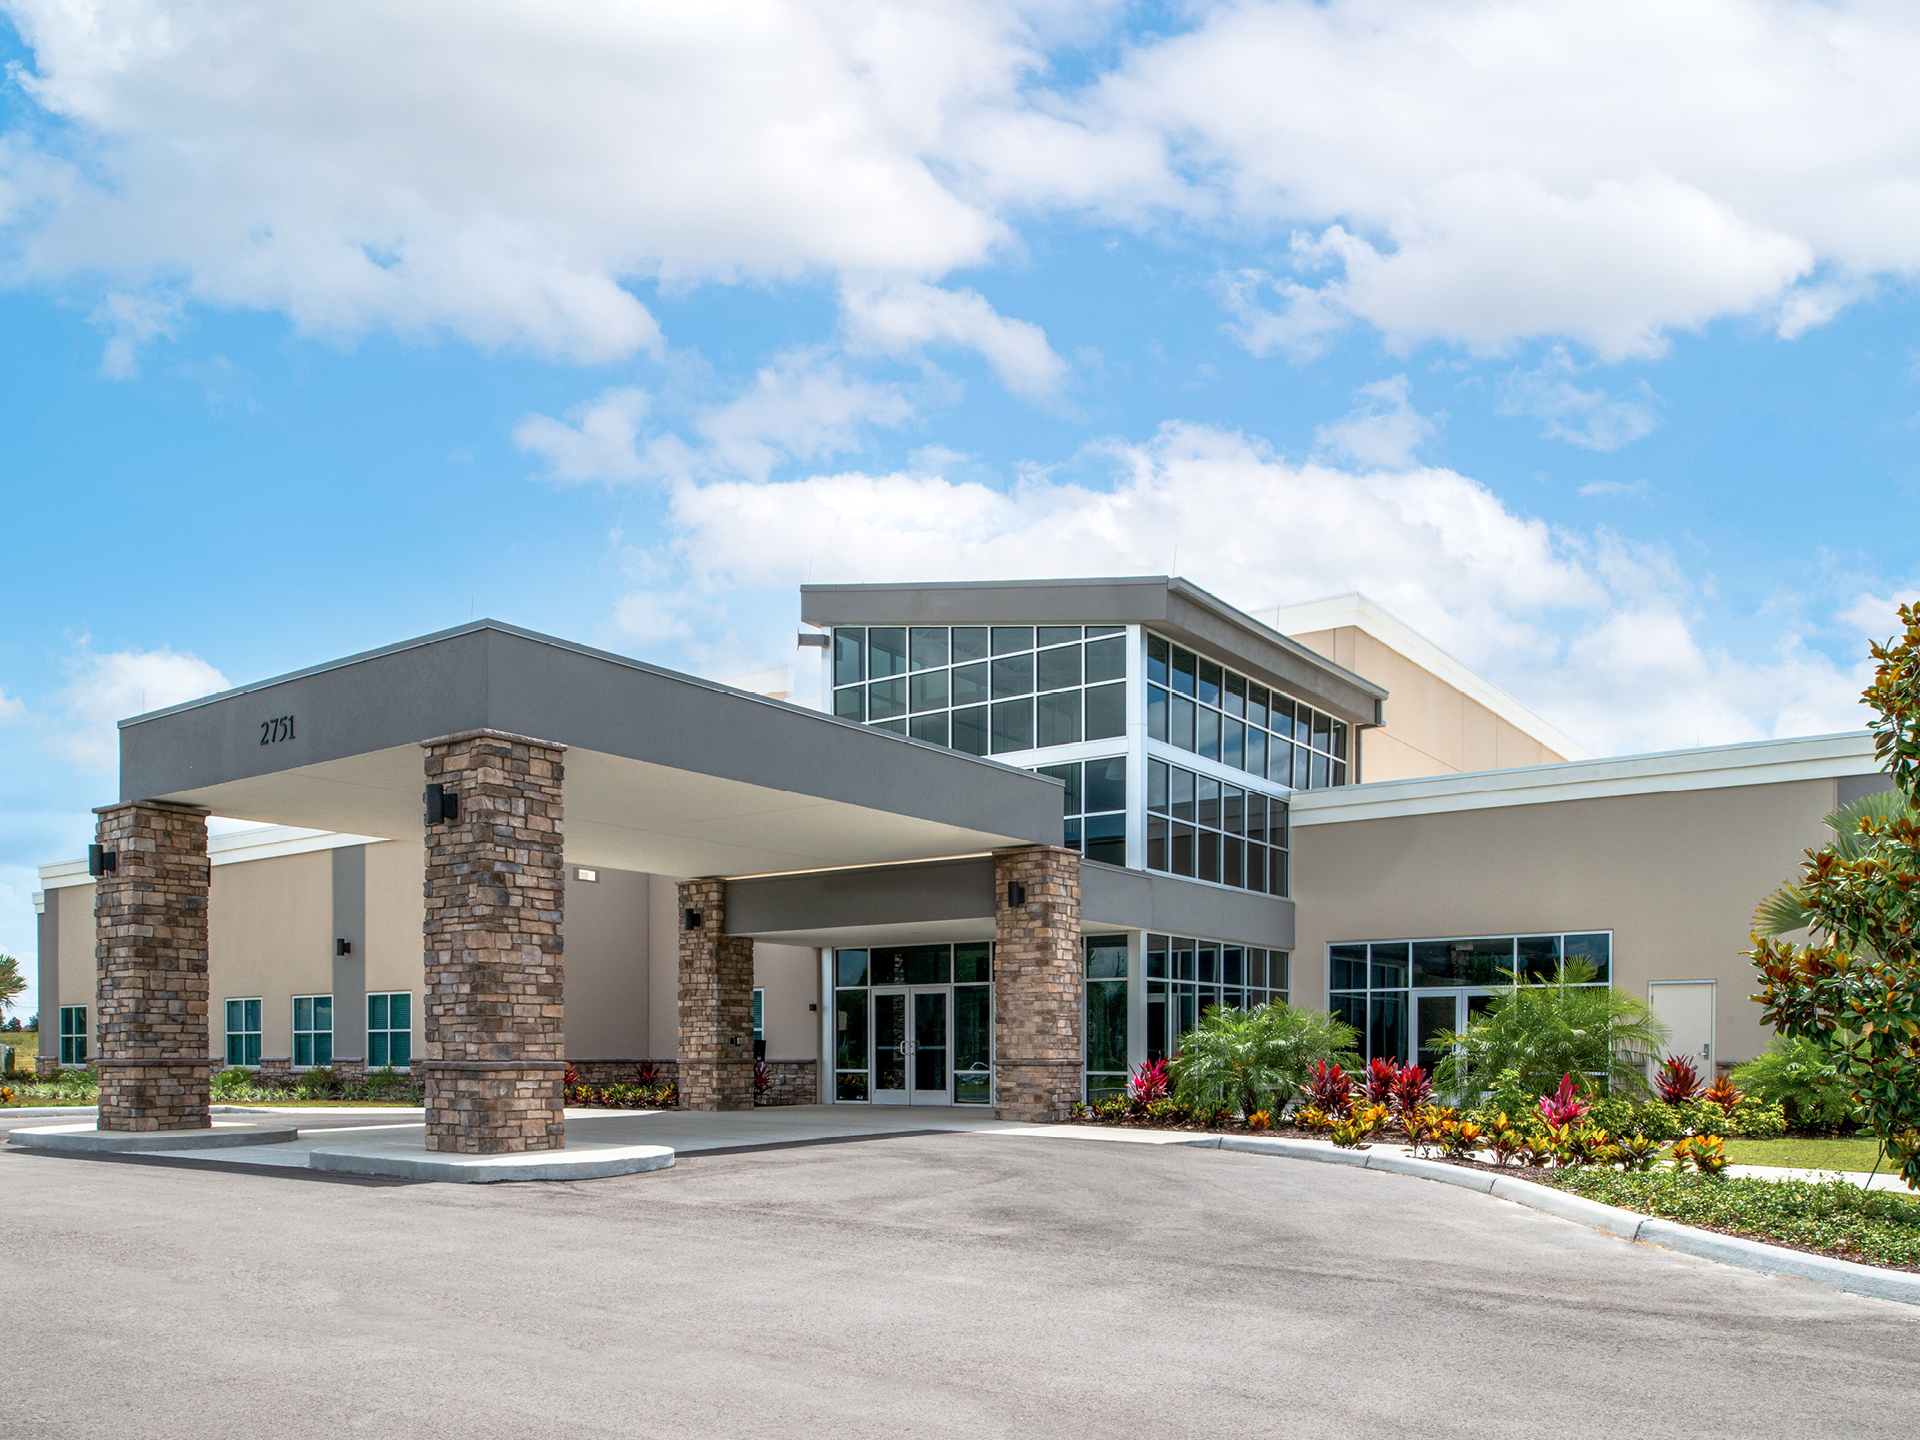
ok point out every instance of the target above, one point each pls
(1833, 1217)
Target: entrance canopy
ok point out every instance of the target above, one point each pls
(665, 773)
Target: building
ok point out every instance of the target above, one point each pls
(1040, 827)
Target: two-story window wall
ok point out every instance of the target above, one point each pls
(1198, 705)
(1204, 828)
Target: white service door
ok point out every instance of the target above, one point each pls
(1686, 1008)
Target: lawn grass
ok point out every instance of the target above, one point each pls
(1874, 1227)
(1802, 1153)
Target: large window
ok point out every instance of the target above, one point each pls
(1200, 827)
(1202, 707)
(1106, 1019)
(313, 1030)
(982, 689)
(1400, 994)
(73, 1034)
(1096, 807)
(1187, 977)
(390, 1030)
(967, 968)
(243, 1032)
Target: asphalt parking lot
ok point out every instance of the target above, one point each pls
(945, 1285)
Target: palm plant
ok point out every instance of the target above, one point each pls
(1237, 1057)
(1544, 1029)
(1854, 825)
(12, 982)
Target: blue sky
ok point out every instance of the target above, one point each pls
(1584, 341)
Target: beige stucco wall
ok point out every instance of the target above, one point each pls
(663, 979)
(790, 976)
(1675, 877)
(606, 970)
(1431, 727)
(269, 936)
(396, 914)
(79, 969)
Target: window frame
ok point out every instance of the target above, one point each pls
(389, 1030)
(73, 1038)
(244, 1034)
(312, 1032)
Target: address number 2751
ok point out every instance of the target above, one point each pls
(277, 729)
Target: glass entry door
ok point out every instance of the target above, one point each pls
(911, 1047)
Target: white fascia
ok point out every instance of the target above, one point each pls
(1363, 614)
(265, 842)
(1718, 767)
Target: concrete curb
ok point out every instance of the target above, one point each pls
(92, 1141)
(1755, 1255)
(595, 1164)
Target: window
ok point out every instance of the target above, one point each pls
(1188, 977)
(1095, 807)
(1200, 827)
(243, 1032)
(390, 1030)
(1198, 706)
(967, 968)
(1106, 1018)
(984, 690)
(759, 1024)
(312, 1030)
(1401, 994)
(73, 1034)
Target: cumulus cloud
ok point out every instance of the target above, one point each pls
(1384, 430)
(594, 442)
(104, 689)
(1599, 635)
(901, 317)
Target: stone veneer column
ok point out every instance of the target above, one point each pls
(716, 1004)
(494, 1019)
(1037, 984)
(150, 917)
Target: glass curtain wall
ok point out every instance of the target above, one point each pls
(1188, 977)
(1106, 1017)
(1400, 994)
(967, 968)
(1096, 807)
(1200, 706)
(984, 690)
(1199, 827)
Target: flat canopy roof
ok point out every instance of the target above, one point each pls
(665, 773)
(1173, 607)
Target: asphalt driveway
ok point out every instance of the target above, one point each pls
(956, 1285)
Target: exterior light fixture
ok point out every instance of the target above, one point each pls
(343, 947)
(589, 875)
(442, 804)
(1016, 894)
(101, 861)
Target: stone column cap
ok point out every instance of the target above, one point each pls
(506, 735)
(153, 805)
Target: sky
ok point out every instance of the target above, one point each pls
(1583, 338)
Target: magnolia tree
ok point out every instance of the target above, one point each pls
(1854, 990)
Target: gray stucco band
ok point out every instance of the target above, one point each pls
(952, 899)
(49, 956)
(350, 970)
(1858, 787)
(1171, 606)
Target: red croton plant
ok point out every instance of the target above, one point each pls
(1855, 992)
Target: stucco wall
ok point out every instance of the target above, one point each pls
(790, 975)
(1431, 727)
(1675, 876)
(606, 971)
(269, 936)
(79, 970)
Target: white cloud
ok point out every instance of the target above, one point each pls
(1384, 430)
(594, 442)
(1591, 419)
(1614, 488)
(105, 689)
(1877, 616)
(130, 322)
(901, 317)
(11, 709)
(1598, 635)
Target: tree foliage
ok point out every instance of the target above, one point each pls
(12, 982)
(1544, 1029)
(1795, 1075)
(1257, 1059)
(1854, 990)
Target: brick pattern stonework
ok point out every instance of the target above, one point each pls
(494, 1017)
(716, 1004)
(623, 1072)
(150, 920)
(1037, 984)
(794, 1082)
(46, 1064)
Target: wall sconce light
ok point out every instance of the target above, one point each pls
(343, 947)
(442, 804)
(1016, 894)
(101, 861)
(589, 875)
(693, 920)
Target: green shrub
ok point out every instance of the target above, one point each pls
(1544, 1029)
(235, 1082)
(1257, 1059)
(1754, 1119)
(1795, 1075)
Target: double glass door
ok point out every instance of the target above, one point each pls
(911, 1046)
